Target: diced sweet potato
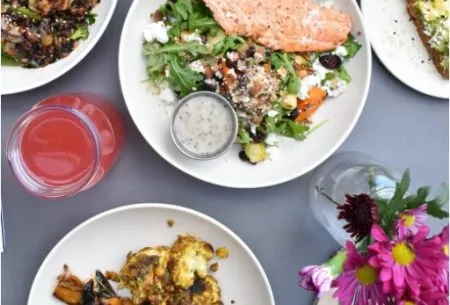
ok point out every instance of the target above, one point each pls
(68, 295)
(309, 106)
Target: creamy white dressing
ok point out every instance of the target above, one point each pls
(203, 125)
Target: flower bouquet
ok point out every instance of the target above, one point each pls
(391, 260)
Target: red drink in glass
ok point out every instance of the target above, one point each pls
(65, 144)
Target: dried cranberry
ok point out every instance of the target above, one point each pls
(330, 61)
(293, 114)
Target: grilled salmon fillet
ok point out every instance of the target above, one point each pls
(289, 25)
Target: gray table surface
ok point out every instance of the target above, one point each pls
(398, 126)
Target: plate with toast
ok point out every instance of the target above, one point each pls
(410, 37)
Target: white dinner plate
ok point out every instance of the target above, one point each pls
(294, 158)
(398, 46)
(103, 242)
(18, 79)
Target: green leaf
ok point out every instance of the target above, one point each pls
(181, 9)
(181, 78)
(343, 74)
(90, 17)
(414, 201)
(80, 33)
(397, 203)
(244, 136)
(176, 29)
(203, 24)
(27, 12)
(352, 46)
(277, 61)
(436, 211)
(282, 59)
(293, 85)
(226, 44)
(193, 47)
(442, 197)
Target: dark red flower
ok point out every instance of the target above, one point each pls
(360, 212)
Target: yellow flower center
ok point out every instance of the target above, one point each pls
(366, 275)
(446, 249)
(408, 220)
(409, 303)
(402, 254)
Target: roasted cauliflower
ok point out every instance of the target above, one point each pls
(144, 274)
(189, 258)
(208, 294)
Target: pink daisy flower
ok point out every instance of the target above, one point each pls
(442, 276)
(405, 264)
(410, 221)
(319, 278)
(427, 297)
(315, 278)
(358, 284)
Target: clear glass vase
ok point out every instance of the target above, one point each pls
(347, 173)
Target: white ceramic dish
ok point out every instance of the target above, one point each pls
(17, 79)
(397, 44)
(103, 242)
(295, 158)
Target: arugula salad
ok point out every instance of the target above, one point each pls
(274, 93)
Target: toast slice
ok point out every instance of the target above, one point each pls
(434, 54)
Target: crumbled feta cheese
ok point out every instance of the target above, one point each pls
(167, 95)
(191, 37)
(253, 128)
(340, 51)
(274, 152)
(272, 113)
(219, 74)
(197, 66)
(156, 31)
(241, 66)
(306, 84)
(211, 81)
(335, 87)
(320, 70)
(233, 56)
(272, 139)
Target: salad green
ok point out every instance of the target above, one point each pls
(270, 90)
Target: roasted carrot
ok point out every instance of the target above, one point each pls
(309, 106)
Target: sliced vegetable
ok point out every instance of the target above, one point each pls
(309, 106)
(256, 152)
